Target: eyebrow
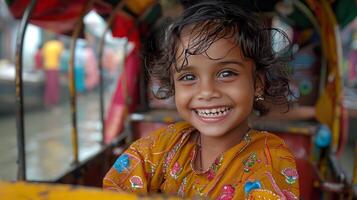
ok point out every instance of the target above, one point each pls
(226, 62)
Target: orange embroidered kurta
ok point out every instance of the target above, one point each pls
(162, 162)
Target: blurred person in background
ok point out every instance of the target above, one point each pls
(51, 53)
(91, 69)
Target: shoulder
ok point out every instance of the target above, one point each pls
(270, 143)
(267, 138)
(274, 148)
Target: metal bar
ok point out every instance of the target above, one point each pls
(354, 179)
(72, 81)
(21, 161)
(100, 66)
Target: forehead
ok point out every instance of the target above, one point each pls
(215, 50)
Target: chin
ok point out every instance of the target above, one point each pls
(210, 131)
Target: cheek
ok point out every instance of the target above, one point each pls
(180, 96)
(241, 92)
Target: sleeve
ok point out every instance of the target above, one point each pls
(282, 177)
(139, 168)
(278, 177)
(127, 173)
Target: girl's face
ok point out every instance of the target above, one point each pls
(215, 91)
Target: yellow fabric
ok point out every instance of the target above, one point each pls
(161, 162)
(51, 54)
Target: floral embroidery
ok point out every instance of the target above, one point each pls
(122, 163)
(217, 163)
(251, 185)
(290, 174)
(170, 155)
(289, 195)
(228, 193)
(211, 173)
(176, 170)
(136, 182)
(150, 169)
(250, 161)
(199, 188)
(181, 190)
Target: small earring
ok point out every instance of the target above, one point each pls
(259, 98)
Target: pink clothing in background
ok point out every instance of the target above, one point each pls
(91, 70)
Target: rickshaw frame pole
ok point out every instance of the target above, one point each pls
(21, 161)
(354, 179)
(72, 81)
(100, 66)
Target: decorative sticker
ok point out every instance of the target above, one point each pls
(122, 163)
(136, 182)
(250, 161)
(251, 185)
(290, 174)
(228, 193)
(176, 170)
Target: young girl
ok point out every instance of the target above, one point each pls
(218, 62)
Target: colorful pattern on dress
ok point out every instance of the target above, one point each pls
(136, 182)
(182, 188)
(250, 161)
(122, 163)
(290, 174)
(274, 184)
(211, 173)
(151, 168)
(172, 153)
(228, 193)
(176, 170)
(251, 185)
(289, 195)
(198, 187)
(262, 194)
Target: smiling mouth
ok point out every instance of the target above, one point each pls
(213, 112)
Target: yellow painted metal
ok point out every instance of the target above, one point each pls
(354, 180)
(329, 104)
(72, 86)
(33, 191)
(109, 22)
(42, 191)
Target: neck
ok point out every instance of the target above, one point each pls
(212, 147)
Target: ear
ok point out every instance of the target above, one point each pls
(259, 84)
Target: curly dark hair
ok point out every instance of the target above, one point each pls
(210, 21)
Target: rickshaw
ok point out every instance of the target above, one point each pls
(133, 112)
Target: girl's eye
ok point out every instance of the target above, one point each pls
(226, 73)
(187, 77)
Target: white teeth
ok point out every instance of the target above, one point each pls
(215, 112)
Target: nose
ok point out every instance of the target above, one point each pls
(208, 90)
